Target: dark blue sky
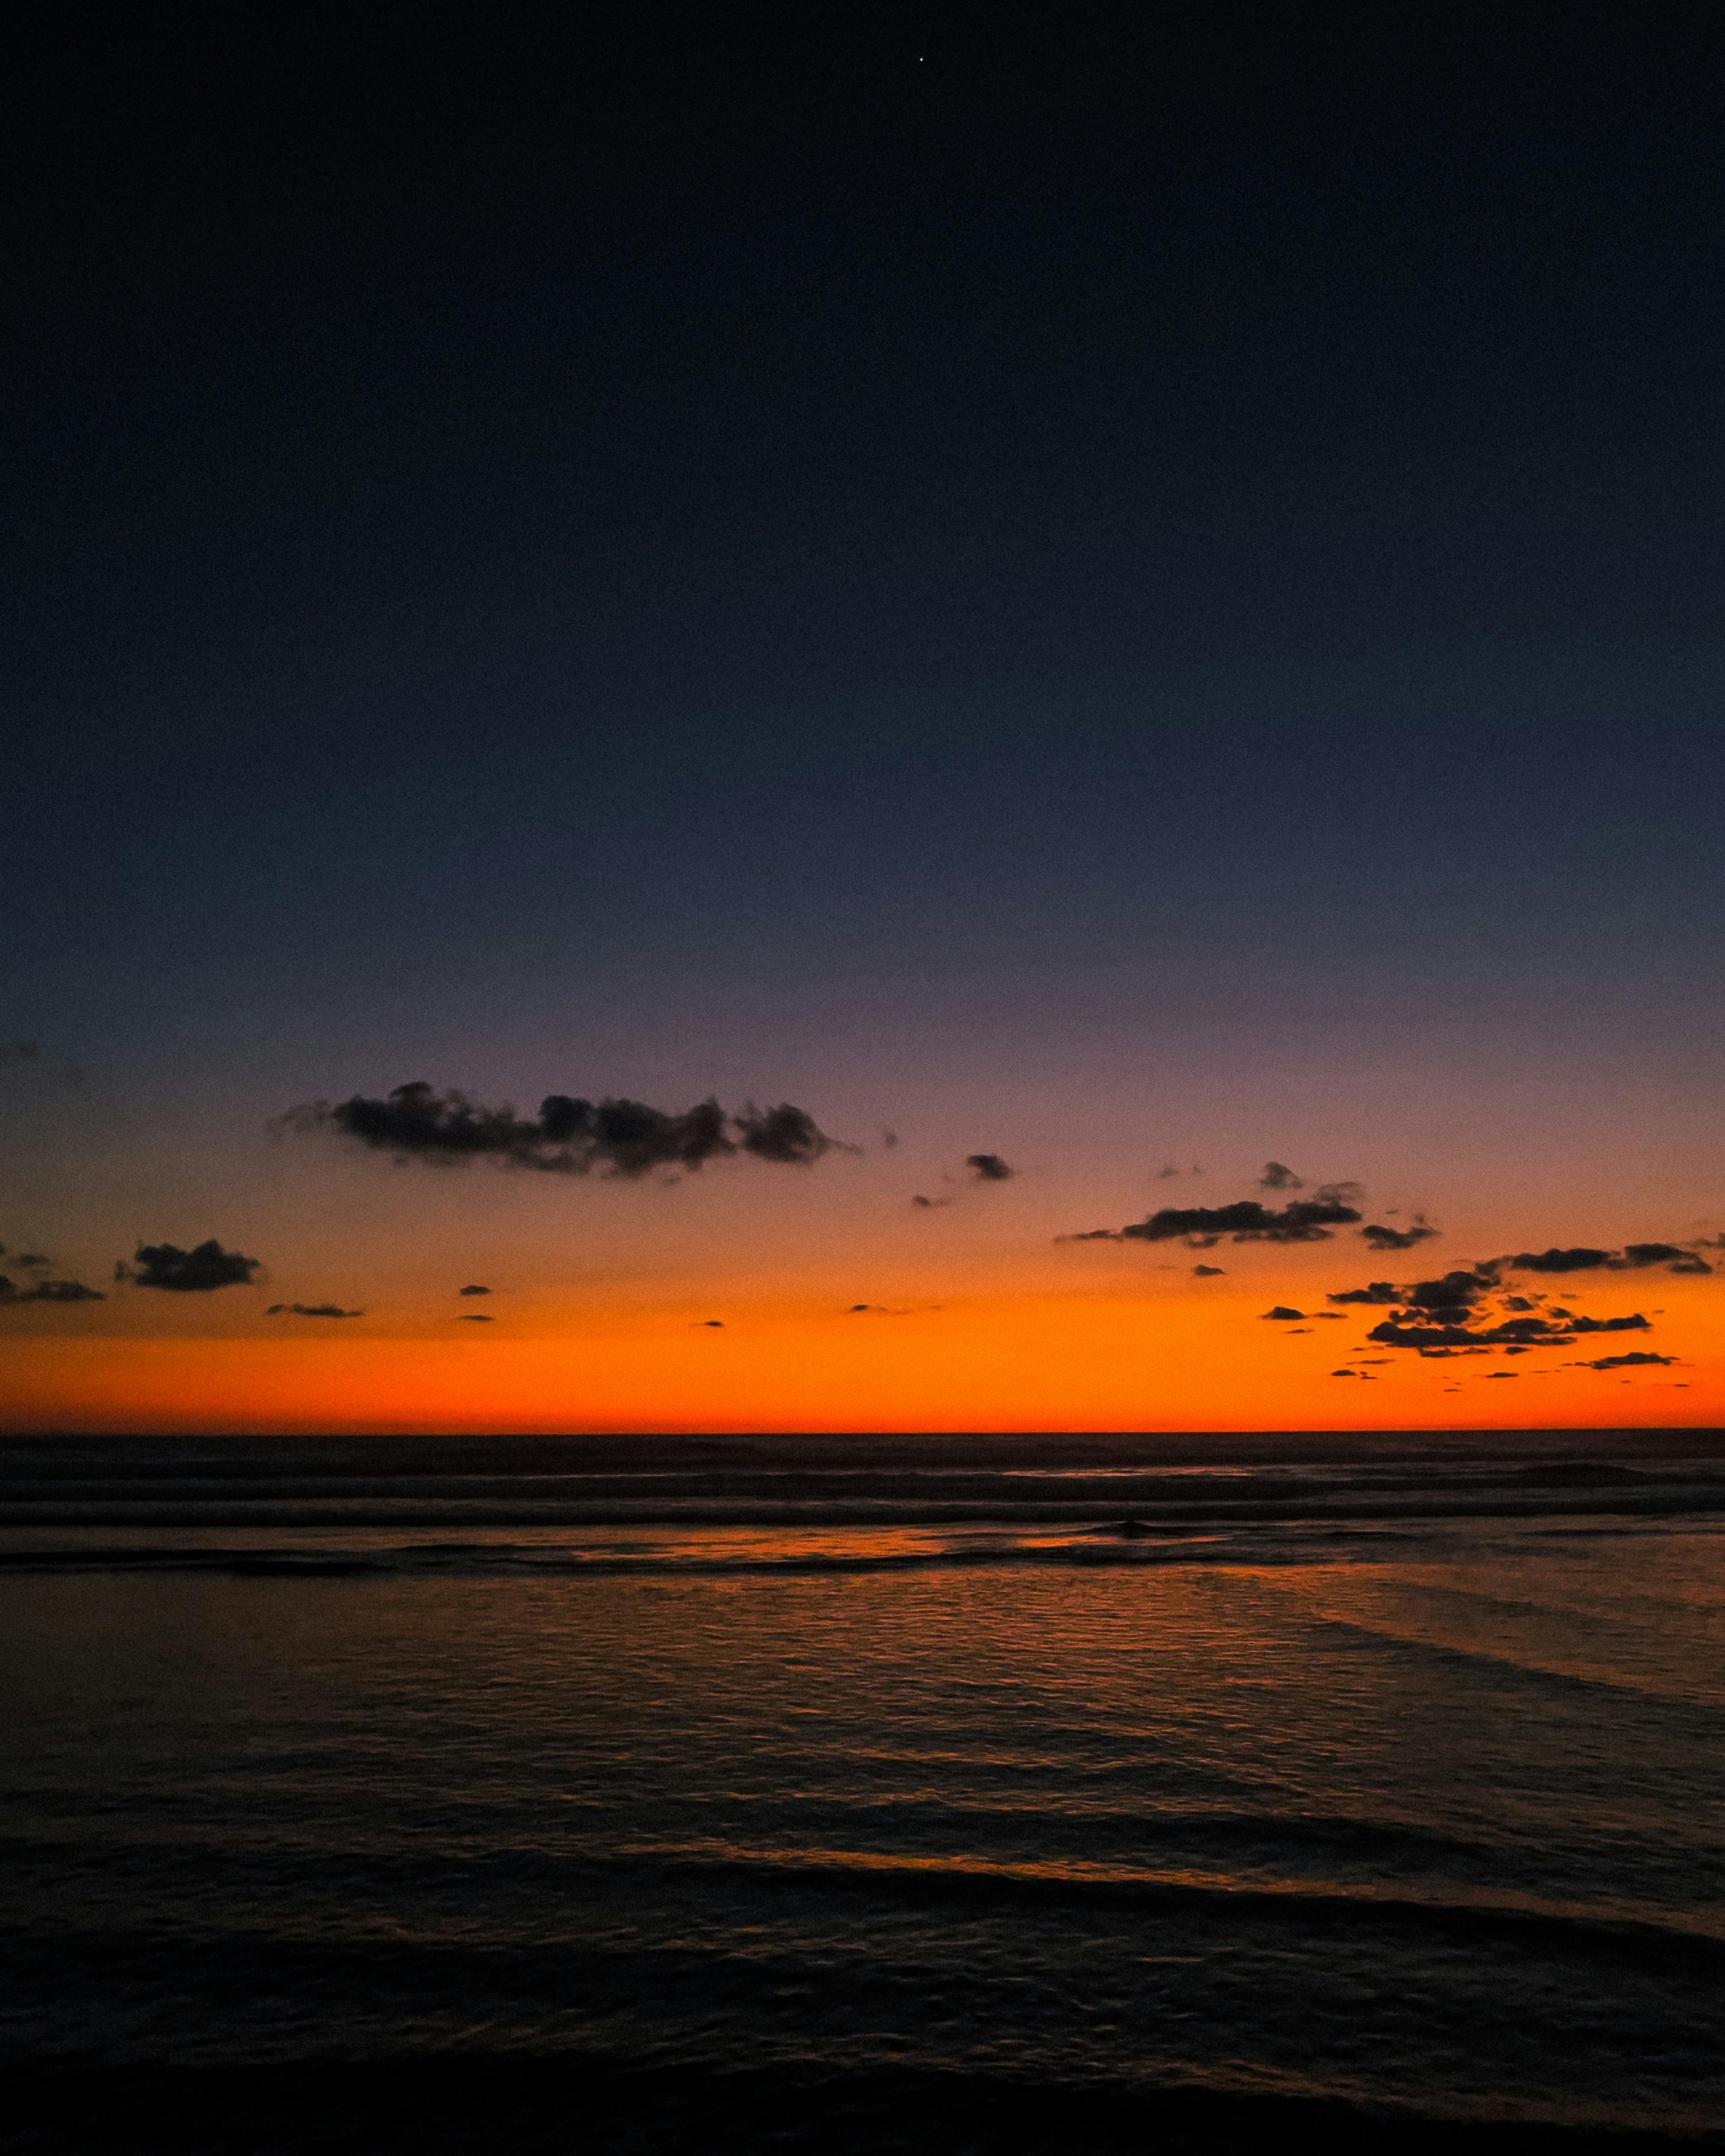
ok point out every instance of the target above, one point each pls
(848, 521)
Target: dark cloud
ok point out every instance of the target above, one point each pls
(1633, 1257)
(1084, 1235)
(309, 1310)
(1275, 1176)
(1305, 1220)
(712, 1324)
(1502, 1373)
(928, 1204)
(1622, 1362)
(988, 1167)
(34, 1262)
(1283, 1315)
(568, 1136)
(19, 1051)
(475, 1317)
(1578, 1260)
(475, 1289)
(188, 1272)
(787, 1135)
(1427, 1333)
(1380, 1238)
(47, 1291)
(1456, 1290)
(1374, 1291)
(1207, 1272)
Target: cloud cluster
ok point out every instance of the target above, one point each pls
(568, 1136)
(198, 1271)
(1467, 1310)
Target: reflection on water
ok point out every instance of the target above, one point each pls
(1418, 1810)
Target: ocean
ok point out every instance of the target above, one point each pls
(1064, 1793)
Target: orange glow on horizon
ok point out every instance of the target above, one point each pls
(1035, 1362)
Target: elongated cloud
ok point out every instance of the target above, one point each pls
(309, 1310)
(198, 1271)
(1406, 1330)
(1633, 1257)
(568, 1136)
(1622, 1362)
(1304, 1220)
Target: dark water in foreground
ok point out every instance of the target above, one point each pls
(994, 1793)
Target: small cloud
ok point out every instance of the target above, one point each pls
(46, 1291)
(1374, 1292)
(197, 1271)
(1344, 1373)
(1084, 1235)
(474, 1289)
(1380, 1238)
(1692, 1264)
(1166, 1171)
(1503, 1374)
(988, 1167)
(1281, 1315)
(20, 1052)
(787, 1135)
(474, 1317)
(309, 1310)
(1634, 1359)
(1581, 1259)
(709, 1324)
(928, 1204)
(1208, 1272)
(1275, 1176)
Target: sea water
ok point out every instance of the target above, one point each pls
(1385, 1775)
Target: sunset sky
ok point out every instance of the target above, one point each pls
(1140, 609)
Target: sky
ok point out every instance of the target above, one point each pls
(1133, 600)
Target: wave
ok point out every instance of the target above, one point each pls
(1659, 1944)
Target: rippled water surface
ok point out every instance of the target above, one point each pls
(1396, 1782)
